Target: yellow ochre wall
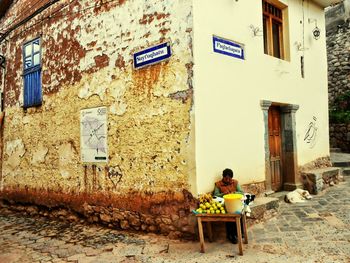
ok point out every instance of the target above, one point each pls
(86, 63)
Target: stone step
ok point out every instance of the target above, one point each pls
(335, 150)
(340, 159)
(318, 174)
(261, 205)
(345, 171)
(314, 180)
(341, 164)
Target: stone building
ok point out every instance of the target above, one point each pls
(123, 111)
(338, 50)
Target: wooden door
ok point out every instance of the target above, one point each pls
(275, 139)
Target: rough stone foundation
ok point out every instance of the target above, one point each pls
(317, 180)
(321, 162)
(162, 213)
(318, 175)
(338, 47)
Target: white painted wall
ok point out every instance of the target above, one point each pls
(228, 91)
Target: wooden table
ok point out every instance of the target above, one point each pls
(223, 218)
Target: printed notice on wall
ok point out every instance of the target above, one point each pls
(93, 135)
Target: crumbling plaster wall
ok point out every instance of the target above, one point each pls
(87, 49)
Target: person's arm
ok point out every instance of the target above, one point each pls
(217, 192)
(239, 189)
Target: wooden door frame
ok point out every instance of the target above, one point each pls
(291, 180)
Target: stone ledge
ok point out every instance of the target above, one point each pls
(261, 205)
(345, 171)
(341, 164)
(318, 179)
(322, 172)
(335, 150)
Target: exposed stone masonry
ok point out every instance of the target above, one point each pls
(318, 175)
(340, 136)
(174, 226)
(338, 52)
(322, 162)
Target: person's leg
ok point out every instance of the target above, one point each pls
(234, 232)
(231, 232)
(235, 229)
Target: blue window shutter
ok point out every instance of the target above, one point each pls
(32, 89)
(32, 74)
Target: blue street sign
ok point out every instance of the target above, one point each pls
(227, 47)
(152, 55)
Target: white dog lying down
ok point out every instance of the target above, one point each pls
(297, 196)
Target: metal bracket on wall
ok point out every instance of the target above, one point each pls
(302, 68)
(257, 32)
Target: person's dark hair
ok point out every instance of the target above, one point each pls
(227, 173)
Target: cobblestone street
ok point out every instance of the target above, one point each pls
(314, 231)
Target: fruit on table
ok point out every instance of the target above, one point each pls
(209, 206)
(204, 198)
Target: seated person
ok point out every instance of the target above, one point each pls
(227, 185)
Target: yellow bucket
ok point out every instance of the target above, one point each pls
(233, 203)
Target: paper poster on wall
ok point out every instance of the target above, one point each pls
(93, 135)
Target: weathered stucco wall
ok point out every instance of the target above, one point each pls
(87, 52)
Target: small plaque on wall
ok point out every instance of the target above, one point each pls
(228, 48)
(152, 55)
